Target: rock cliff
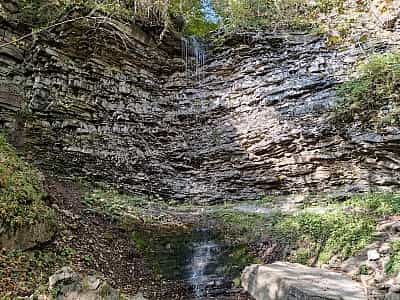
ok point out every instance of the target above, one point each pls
(120, 107)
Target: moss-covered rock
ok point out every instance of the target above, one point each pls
(25, 220)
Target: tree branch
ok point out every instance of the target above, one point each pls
(47, 28)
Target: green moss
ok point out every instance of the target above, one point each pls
(340, 229)
(363, 269)
(375, 204)
(371, 96)
(393, 266)
(21, 191)
(110, 202)
(241, 223)
(236, 259)
(167, 250)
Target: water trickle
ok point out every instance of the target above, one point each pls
(199, 258)
(204, 257)
(194, 56)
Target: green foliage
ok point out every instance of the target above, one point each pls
(393, 266)
(21, 191)
(319, 236)
(195, 20)
(237, 258)
(363, 270)
(373, 96)
(110, 202)
(241, 223)
(291, 14)
(376, 204)
(340, 229)
(28, 269)
(314, 235)
(88, 259)
(38, 13)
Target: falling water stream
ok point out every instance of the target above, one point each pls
(203, 269)
(195, 257)
(198, 257)
(194, 56)
(203, 256)
(201, 265)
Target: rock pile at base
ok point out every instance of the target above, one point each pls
(65, 284)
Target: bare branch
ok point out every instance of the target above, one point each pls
(47, 28)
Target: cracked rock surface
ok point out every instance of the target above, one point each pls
(256, 122)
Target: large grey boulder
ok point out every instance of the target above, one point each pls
(286, 281)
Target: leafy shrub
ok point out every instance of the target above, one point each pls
(373, 96)
(291, 14)
(21, 191)
(41, 13)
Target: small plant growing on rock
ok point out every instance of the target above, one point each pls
(393, 266)
(372, 97)
(363, 270)
(88, 259)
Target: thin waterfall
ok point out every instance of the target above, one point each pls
(194, 56)
(203, 256)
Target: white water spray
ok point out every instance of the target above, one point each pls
(203, 256)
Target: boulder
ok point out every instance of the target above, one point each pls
(392, 296)
(64, 275)
(287, 281)
(373, 255)
(27, 236)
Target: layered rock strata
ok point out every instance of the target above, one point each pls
(121, 108)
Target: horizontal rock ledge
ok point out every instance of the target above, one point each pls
(287, 281)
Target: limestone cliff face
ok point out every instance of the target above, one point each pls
(124, 110)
